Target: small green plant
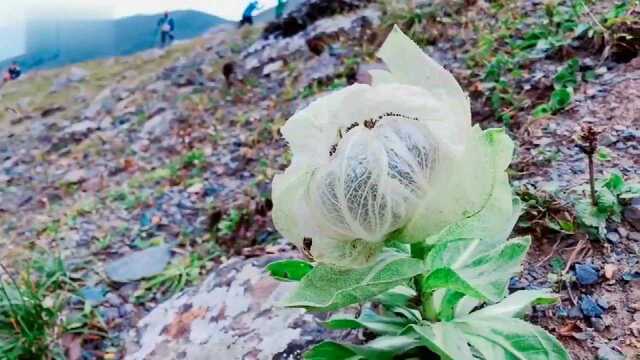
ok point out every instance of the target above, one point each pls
(31, 312)
(611, 193)
(173, 280)
(194, 158)
(562, 96)
(128, 198)
(229, 224)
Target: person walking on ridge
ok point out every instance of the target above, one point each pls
(282, 4)
(14, 71)
(247, 15)
(166, 26)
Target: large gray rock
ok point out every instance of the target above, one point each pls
(159, 125)
(81, 128)
(140, 264)
(234, 314)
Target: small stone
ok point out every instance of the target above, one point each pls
(272, 67)
(561, 311)
(607, 139)
(598, 324)
(622, 231)
(610, 271)
(607, 353)
(75, 176)
(518, 284)
(632, 213)
(113, 299)
(575, 313)
(602, 303)
(586, 274)
(613, 237)
(589, 307)
(635, 236)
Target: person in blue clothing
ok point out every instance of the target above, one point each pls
(166, 26)
(282, 5)
(247, 15)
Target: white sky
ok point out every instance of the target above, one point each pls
(13, 12)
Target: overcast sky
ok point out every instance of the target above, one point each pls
(14, 12)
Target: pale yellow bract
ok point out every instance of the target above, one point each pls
(399, 155)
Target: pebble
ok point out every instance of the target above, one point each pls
(632, 213)
(561, 311)
(575, 313)
(635, 236)
(518, 284)
(607, 353)
(590, 307)
(586, 274)
(613, 237)
(622, 231)
(598, 324)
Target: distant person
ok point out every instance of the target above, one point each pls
(14, 71)
(247, 15)
(282, 5)
(166, 26)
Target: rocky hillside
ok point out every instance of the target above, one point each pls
(143, 182)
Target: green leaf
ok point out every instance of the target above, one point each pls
(449, 304)
(502, 338)
(493, 223)
(567, 77)
(591, 216)
(603, 154)
(380, 324)
(615, 182)
(289, 270)
(541, 111)
(442, 338)
(477, 268)
(398, 296)
(560, 99)
(382, 348)
(557, 264)
(607, 201)
(630, 191)
(478, 199)
(327, 288)
(516, 304)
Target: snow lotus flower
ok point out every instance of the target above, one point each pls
(395, 159)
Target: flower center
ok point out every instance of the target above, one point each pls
(368, 124)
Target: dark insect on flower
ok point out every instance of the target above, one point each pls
(370, 124)
(333, 149)
(306, 248)
(351, 127)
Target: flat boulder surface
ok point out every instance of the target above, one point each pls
(233, 314)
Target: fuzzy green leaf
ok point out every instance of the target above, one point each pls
(444, 339)
(380, 324)
(382, 348)
(516, 304)
(289, 270)
(327, 288)
(502, 338)
(477, 268)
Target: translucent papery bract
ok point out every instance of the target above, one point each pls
(374, 183)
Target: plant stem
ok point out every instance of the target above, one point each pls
(592, 181)
(425, 301)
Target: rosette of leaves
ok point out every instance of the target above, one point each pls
(403, 207)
